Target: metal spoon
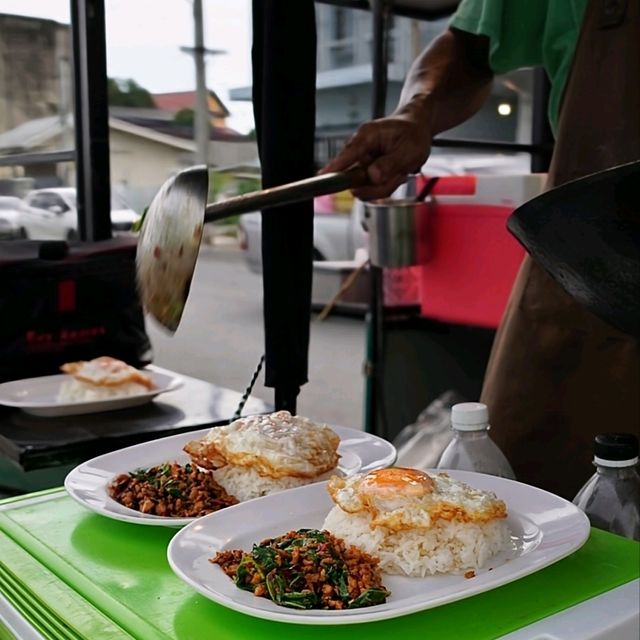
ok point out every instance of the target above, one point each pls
(173, 225)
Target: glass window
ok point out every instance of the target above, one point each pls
(35, 81)
(343, 99)
(38, 200)
(341, 55)
(36, 105)
(152, 97)
(56, 203)
(342, 23)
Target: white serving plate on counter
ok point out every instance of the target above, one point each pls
(39, 396)
(87, 483)
(545, 528)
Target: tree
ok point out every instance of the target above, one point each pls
(184, 116)
(127, 93)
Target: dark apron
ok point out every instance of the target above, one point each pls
(558, 375)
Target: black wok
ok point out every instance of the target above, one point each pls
(586, 235)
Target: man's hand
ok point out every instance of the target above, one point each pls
(389, 148)
(445, 86)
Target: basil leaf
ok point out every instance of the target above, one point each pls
(138, 224)
(243, 576)
(276, 586)
(299, 600)
(339, 576)
(264, 557)
(373, 595)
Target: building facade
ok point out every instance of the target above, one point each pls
(35, 78)
(344, 80)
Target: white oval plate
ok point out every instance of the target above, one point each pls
(545, 529)
(39, 396)
(87, 483)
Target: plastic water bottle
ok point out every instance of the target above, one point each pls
(611, 497)
(471, 448)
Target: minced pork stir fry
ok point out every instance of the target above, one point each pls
(306, 569)
(170, 490)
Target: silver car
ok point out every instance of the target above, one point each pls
(336, 236)
(12, 211)
(52, 214)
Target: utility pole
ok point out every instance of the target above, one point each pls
(201, 119)
(64, 112)
(201, 124)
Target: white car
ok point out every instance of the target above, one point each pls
(336, 236)
(52, 214)
(12, 211)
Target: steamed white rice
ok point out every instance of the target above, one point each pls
(73, 390)
(445, 547)
(245, 483)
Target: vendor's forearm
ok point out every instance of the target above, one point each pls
(449, 81)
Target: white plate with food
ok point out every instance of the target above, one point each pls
(406, 543)
(159, 483)
(102, 384)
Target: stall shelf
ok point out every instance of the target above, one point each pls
(69, 573)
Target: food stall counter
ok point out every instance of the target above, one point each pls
(67, 573)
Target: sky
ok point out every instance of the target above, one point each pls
(143, 43)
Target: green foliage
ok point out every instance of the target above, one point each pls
(127, 93)
(184, 116)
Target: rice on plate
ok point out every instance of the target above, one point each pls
(262, 454)
(416, 523)
(101, 379)
(249, 458)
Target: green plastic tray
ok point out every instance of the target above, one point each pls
(83, 572)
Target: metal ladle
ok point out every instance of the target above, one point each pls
(173, 226)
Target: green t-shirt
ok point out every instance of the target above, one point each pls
(527, 33)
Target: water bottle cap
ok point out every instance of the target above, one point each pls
(469, 416)
(616, 449)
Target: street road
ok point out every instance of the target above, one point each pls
(220, 339)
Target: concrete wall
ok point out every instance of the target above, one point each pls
(139, 166)
(227, 154)
(34, 69)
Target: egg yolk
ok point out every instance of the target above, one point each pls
(410, 483)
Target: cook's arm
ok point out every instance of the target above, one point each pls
(445, 86)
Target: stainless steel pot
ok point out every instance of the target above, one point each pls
(398, 231)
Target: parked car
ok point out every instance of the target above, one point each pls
(123, 217)
(51, 214)
(11, 214)
(336, 236)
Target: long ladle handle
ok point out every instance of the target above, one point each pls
(288, 193)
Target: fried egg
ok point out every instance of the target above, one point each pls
(401, 499)
(107, 372)
(275, 445)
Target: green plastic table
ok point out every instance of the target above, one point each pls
(73, 574)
